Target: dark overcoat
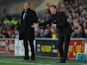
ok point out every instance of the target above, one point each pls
(60, 19)
(26, 32)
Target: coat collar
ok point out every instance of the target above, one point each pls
(27, 10)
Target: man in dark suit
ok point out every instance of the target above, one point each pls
(64, 29)
(28, 18)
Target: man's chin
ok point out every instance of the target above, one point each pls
(51, 13)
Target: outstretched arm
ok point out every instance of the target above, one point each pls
(46, 22)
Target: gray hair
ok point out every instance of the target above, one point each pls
(27, 2)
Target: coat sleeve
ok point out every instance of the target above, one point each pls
(35, 18)
(21, 17)
(46, 22)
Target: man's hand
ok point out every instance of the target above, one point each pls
(34, 25)
(54, 25)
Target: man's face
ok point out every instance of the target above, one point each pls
(53, 10)
(26, 6)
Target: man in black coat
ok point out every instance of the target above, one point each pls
(64, 31)
(28, 18)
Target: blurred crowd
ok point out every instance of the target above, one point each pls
(76, 13)
(76, 16)
(9, 26)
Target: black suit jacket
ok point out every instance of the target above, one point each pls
(26, 31)
(61, 20)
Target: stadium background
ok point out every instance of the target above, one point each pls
(46, 37)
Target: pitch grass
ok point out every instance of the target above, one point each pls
(11, 60)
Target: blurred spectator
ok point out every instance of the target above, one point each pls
(46, 33)
(16, 34)
(14, 21)
(6, 21)
(46, 16)
(10, 35)
(85, 31)
(48, 7)
(1, 25)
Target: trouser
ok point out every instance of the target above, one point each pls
(63, 39)
(26, 48)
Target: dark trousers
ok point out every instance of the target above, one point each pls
(26, 48)
(63, 38)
